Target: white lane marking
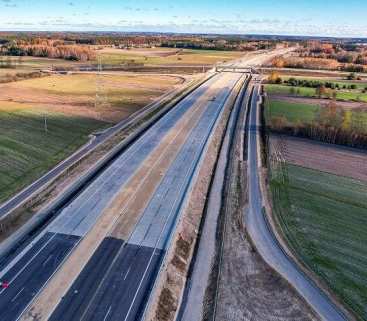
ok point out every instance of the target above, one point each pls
(107, 314)
(29, 261)
(127, 273)
(13, 299)
(34, 295)
(44, 263)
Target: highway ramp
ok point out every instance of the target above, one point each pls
(263, 237)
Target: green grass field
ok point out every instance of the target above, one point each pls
(27, 151)
(300, 113)
(324, 219)
(292, 112)
(342, 94)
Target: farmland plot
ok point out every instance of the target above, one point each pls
(323, 216)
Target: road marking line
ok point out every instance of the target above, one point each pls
(108, 312)
(44, 263)
(30, 261)
(13, 299)
(127, 273)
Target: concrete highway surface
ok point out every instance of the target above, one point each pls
(121, 291)
(263, 237)
(127, 267)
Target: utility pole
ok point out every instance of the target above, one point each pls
(45, 123)
(98, 82)
(101, 100)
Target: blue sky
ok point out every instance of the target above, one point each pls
(296, 17)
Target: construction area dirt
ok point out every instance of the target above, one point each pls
(248, 288)
(334, 159)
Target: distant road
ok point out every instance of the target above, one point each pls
(264, 239)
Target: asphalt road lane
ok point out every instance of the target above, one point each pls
(111, 301)
(28, 276)
(265, 241)
(81, 293)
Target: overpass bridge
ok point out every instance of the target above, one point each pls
(234, 68)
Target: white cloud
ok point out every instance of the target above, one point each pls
(192, 25)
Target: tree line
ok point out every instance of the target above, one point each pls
(49, 49)
(332, 124)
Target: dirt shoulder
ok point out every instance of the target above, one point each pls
(168, 293)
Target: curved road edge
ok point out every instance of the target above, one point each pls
(264, 238)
